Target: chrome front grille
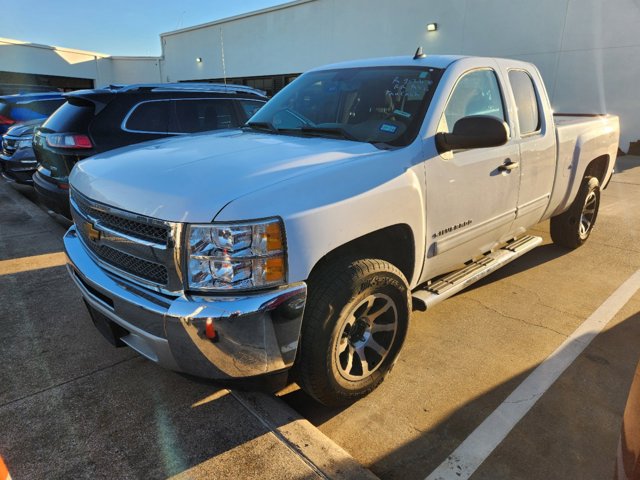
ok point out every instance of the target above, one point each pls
(153, 272)
(141, 228)
(131, 245)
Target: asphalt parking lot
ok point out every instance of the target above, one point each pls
(71, 406)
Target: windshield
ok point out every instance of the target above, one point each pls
(377, 105)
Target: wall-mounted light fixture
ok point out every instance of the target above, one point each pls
(432, 27)
(198, 59)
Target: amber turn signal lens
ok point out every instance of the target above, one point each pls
(274, 269)
(274, 237)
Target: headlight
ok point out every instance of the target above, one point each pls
(20, 144)
(236, 256)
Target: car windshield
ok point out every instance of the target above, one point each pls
(380, 105)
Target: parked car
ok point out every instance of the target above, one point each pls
(628, 462)
(17, 160)
(307, 238)
(95, 121)
(27, 106)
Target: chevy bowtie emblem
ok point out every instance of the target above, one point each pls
(92, 233)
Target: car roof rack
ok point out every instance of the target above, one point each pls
(192, 87)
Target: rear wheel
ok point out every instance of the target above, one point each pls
(573, 227)
(355, 322)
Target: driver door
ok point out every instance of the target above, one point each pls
(471, 201)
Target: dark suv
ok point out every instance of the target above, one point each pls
(94, 121)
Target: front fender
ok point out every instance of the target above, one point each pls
(326, 209)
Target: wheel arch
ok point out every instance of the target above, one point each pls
(394, 244)
(598, 167)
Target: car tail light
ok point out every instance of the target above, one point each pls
(6, 120)
(65, 140)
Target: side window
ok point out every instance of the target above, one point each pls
(201, 115)
(250, 107)
(526, 101)
(149, 117)
(476, 93)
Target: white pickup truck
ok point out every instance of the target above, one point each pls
(361, 191)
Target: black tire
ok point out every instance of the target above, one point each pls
(573, 227)
(354, 308)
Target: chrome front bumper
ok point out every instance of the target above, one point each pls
(256, 333)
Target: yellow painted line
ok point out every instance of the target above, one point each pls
(35, 262)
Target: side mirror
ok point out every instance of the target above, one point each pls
(478, 131)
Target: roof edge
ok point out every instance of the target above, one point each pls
(22, 43)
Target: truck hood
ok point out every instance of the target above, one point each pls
(191, 178)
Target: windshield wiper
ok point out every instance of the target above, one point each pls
(261, 126)
(308, 130)
(335, 131)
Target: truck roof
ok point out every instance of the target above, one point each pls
(435, 61)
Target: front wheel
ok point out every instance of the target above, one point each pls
(355, 323)
(573, 227)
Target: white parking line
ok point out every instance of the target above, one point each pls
(483, 440)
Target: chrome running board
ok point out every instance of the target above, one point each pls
(444, 287)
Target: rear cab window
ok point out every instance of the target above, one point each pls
(526, 101)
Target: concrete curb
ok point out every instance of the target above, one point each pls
(317, 450)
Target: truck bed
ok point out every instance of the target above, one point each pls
(581, 138)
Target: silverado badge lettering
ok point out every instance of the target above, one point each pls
(452, 228)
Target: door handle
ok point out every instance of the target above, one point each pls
(508, 165)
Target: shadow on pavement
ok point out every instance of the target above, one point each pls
(543, 254)
(571, 432)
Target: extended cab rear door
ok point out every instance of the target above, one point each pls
(535, 135)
